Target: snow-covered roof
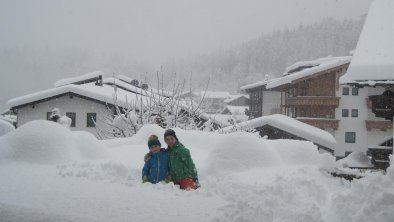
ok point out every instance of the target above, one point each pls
(236, 110)
(301, 65)
(321, 64)
(234, 97)
(373, 60)
(292, 126)
(127, 86)
(103, 93)
(215, 94)
(125, 78)
(80, 78)
(256, 84)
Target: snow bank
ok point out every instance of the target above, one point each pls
(243, 178)
(46, 142)
(5, 127)
(239, 152)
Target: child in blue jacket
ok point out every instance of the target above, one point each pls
(156, 162)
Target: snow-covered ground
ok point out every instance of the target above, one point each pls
(48, 173)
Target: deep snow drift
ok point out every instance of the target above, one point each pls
(49, 173)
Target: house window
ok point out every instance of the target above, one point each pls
(72, 116)
(355, 91)
(345, 91)
(90, 119)
(350, 137)
(354, 112)
(345, 113)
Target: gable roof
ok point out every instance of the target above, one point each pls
(103, 93)
(290, 125)
(319, 65)
(373, 60)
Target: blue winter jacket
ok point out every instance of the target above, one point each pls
(156, 168)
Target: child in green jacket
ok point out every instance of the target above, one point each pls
(182, 169)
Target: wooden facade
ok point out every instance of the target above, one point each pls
(312, 99)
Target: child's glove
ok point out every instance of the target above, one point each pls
(168, 179)
(144, 179)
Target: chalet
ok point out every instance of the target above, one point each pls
(262, 101)
(371, 73)
(310, 91)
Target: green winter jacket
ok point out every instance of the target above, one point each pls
(181, 165)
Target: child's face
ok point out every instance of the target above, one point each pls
(170, 140)
(155, 148)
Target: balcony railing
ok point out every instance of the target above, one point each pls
(313, 101)
(378, 124)
(321, 123)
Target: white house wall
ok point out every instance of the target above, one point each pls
(271, 102)
(66, 104)
(357, 124)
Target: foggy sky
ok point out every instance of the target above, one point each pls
(155, 30)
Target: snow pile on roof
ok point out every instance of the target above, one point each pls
(215, 95)
(374, 55)
(125, 78)
(234, 97)
(46, 142)
(256, 84)
(103, 93)
(85, 77)
(290, 125)
(323, 64)
(301, 65)
(5, 127)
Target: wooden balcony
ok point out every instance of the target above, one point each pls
(321, 123)
(313, 101)
(383, 125)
